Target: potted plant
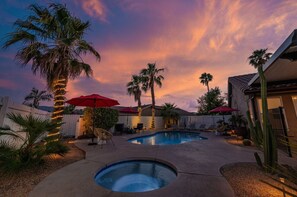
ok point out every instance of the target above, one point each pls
(239, 123)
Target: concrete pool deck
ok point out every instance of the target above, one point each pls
(197, 163)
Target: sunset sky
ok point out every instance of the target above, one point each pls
(186, 37)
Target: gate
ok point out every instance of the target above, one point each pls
(278, 123)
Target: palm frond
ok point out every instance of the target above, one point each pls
(18, 36)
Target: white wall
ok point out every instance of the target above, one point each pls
(197, 121)
(132, 121)
(74, 124)
(69, 125)
(8, 106)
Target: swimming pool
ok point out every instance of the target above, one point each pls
(135, 176)
(167, 137)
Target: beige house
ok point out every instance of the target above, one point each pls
(281, 75)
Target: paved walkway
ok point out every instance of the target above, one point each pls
(198, 165)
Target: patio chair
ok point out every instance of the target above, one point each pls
(221, 129)
(139, 127)
(103, 136)
(119, 128)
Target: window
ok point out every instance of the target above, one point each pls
(273, 102)
(294, 99)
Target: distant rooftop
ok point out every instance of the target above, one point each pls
(241, 81)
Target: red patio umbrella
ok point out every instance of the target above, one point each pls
(128, 110)
(94, 101)
(222, 109)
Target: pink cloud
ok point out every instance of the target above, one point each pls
(212, 36)
(94, 8)
(8, 84)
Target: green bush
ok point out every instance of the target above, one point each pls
(247, 142)
(88, 120)
(32, 147)
(104, 118)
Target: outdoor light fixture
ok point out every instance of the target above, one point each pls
(282, 179)
(59, 90)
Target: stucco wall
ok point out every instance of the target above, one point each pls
(290, 114)
(8, 106)
(239, 101)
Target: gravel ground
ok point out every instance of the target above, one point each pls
(245, 179)
(21, 184)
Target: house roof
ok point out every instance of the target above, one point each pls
(147, 107)
(274, 87)
(241, 81)
(282, 65)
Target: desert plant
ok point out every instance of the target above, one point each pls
(149, 77)
(51, 40)
(169, 114)
(258, 59)
(246, 142)
(238, 121)
(258, 159)
(205, 78)
(35, 96)
(22, 151)
(134, 88)
(255, 131)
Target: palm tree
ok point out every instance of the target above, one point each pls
(36, 96)
(150, 76)
(134, 88)
(169, 113)
(258, 59)
(31, 150)
(53, 42)
(205, 78)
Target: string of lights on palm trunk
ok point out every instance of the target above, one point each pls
(59, 91)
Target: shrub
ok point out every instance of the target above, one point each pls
(104, 118)
(88, 120)
(32, 149)
(247, 142)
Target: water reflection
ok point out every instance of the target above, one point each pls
(164, 138)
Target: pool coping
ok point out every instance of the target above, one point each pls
(196, 171)
(164, 131)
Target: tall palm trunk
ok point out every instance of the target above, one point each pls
(139, 107)
(153, 104)
(207, 87)
(59, 91)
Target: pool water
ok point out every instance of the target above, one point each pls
(169, 137)
(135, 176)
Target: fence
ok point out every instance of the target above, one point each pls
(70, 123)
(132, 121)
(195, 122)
(8, 106)
(74, 124)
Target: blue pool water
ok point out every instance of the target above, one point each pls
(169, 137)
(135, 176)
